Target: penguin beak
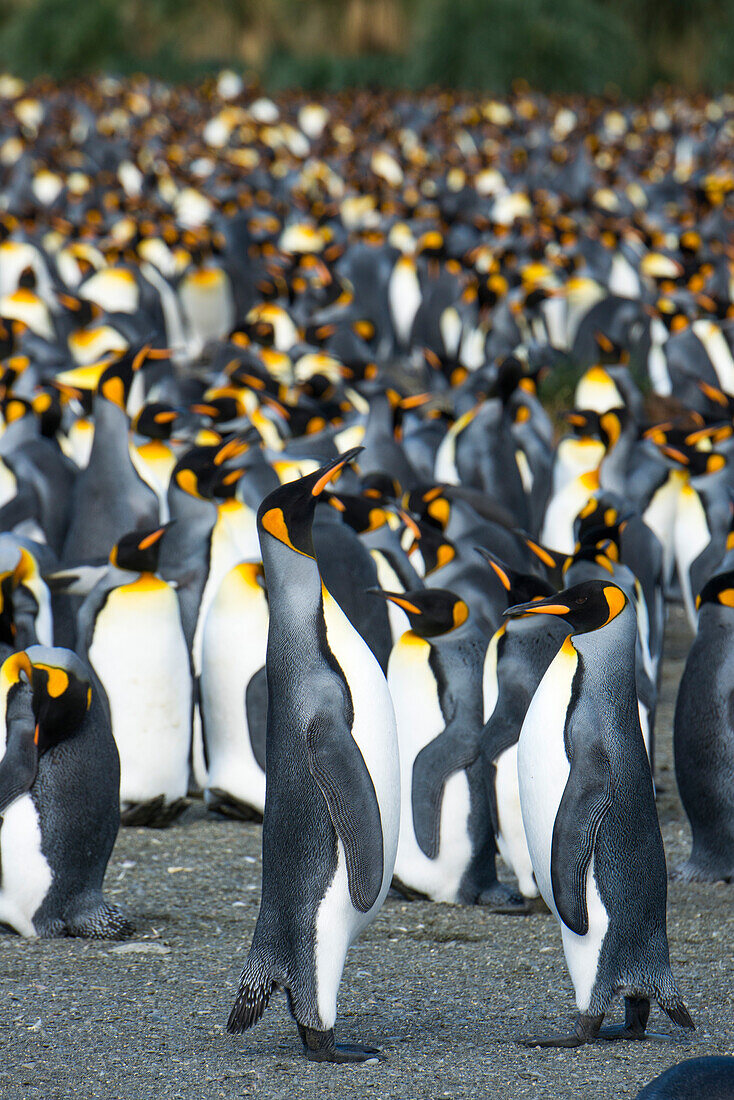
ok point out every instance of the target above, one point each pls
(538, 607)
(500, 572)
(396, 598)
(328, 472)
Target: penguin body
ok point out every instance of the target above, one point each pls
(703, 736)
(231, 694)
(130, 632)
(712, 1077)
(59, 790)
(581, 729)
(446, 847)
(332, 802)
(515, 662)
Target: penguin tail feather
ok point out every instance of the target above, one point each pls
(680, 1015)
(255, 988)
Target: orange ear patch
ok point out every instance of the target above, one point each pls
(616, 600)
(274, 523)
(461, 613)
(114, 390)
(726, 596)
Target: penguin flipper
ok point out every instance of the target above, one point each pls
(338, 767)
(433, 766)
(19, 765)
(585, 800)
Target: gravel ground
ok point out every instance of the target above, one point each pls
(444, 991)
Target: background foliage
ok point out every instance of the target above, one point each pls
(556, 45)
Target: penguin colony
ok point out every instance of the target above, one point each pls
(281, 495)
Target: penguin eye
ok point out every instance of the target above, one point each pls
(581, 599)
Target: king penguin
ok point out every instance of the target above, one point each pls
(589, 813)
(230, 696)
(703, 739)
(129, 629)
(59, 784)
(332, 801)
(447, 849)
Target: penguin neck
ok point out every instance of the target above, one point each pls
(293, 583)
(617, 639)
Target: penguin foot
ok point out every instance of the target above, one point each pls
(407, 893)
(155, 813)
(692, 872)
(499, 898)
(585, 1030)
(636, 1014)
(106, 922)
(225, 804)
(320, 1046)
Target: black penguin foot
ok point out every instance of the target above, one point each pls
(155, 813)
(636, 1014)
(320, 1046)
(227, 805)
(585, 1030)
(693, 872)
(405, 893)
(499, 898)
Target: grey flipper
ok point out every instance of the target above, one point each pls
(433, 766)
(256, 711)
(338, 767)
(20, 763)
(587, 797)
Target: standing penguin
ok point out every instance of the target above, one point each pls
(446, 850)
(59, 784)
(589, 813)
(703, 736)
(332, 804)
(129, 629)
(516, 661)
(231, 695)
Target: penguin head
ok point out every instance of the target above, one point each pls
(138, 551)
(431, 611)
(585, 607)
(286, 514)
(362, 513)
(156, 420)
(520, 587)
(719, 589)
(430, 504)
(429, 542)
(60, 688)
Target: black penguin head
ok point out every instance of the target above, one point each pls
(138, 551)
(431, 611)
(433, 546)
(430, 504)
(719, 589)
(362, 513)
(156, 420)
(61, 690)
(585, 607)
(287, 513)
(520, 587)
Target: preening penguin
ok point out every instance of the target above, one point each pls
(589, 814)
(59, 785)
(332, 801)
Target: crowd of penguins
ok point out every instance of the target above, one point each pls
(277, 482)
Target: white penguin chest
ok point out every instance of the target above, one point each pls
(542, 764)
(139, 653)
(420, 720)
(26, 874)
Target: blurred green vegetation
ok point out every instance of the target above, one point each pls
(556, 45)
